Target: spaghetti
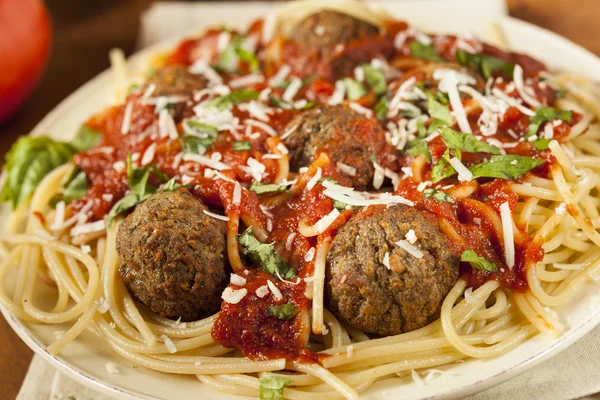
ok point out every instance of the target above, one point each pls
(539, 211)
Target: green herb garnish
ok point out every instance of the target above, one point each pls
(265, 255)
(242, 145)
(425, 51)
(284, 312)
(485, 64)
(271, 387)
(478, 263)
(438, 195)
(509, 167)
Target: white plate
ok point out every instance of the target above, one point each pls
(85, 359)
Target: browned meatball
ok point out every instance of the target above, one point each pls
(367, 295)
(345, 135)
(332, 44)
(173, 256)
(174, 80)
(330, 28)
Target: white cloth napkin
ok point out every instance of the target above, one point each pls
(572, 374)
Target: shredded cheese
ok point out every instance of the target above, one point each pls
(315, 178)
(206, 161)
(409, 248)
(237, 280)
(386, 260)
(310, 254)
(290, 241)
(92, 227)
(126, 125)
(347, 169)
(292, 89)
(216, 216)
(338, 94)
(149, 154)
(464, 175)
(168, 344)
(237, 194)
(262, 291)
(232, 296)
(276, 293)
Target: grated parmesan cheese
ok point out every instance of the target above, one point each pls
(206, 161)
(232, 296)
(409, 248)
(292, 89)
(290, 241)
(237, 193)
(216, 216)
(310, 254)
(321, 225)
(261, 125)
(315, 178)
(92, 227)
(246, 80)
(169, 344)
(237, 280)
(386, 260)
(338, 94)
(262, 291)
(126, 125)
(411, 237)
(112, 368)
(361, 110)
(149, 154)
(464, 175)
(276, 293)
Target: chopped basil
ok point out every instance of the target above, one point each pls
(375, 79)
(234, 53)
(509, 167)
(442, 168)
(438, 195)
(284, 312)
(458, 142)
(286, 82)
(198, 137)
(265, 255)
(141, 190)
(546, 114)
(233, 98)
(425, 51)
(381, 108)
(341, 206)
(478, 263)
(354, 89)
(242, 145)
(271, 387)
(485, 64)
(542, 143)
(438, 110)
(28, 161)
(76, 188)
(171, 185)
(86, 138)
(419, 147)
(262, 188)
(280, 103)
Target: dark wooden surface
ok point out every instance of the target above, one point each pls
(84, 32)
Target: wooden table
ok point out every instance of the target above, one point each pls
(84, 31)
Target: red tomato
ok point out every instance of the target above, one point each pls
(24, 47)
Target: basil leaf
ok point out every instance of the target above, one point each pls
(271, 387)
(509, 167)
(76, 188)
(542, 143)
(438, 110)
(199, 129)
(171, 185)
(195, 145)
(242, 145)
(86, 138)
(354, 89)
(341, 206)
(284, 312)
(381, 108)
(442, 168)
(126, 203)
(478, 263)
(425, 51)
(265, 255)
(231, 99)
(262, 188)
(28, 161)
(438, 195)
(229, 58)
(485, 64)
(138, 178)
(375, 79)
(419, 147)
(466, 142)
(546, 114)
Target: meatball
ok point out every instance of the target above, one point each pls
(408, 295)
(173, 256)
(345, 135)
(176, 80)
(326, 29)
(332, 44)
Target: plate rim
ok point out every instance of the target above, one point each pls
(21, 329)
